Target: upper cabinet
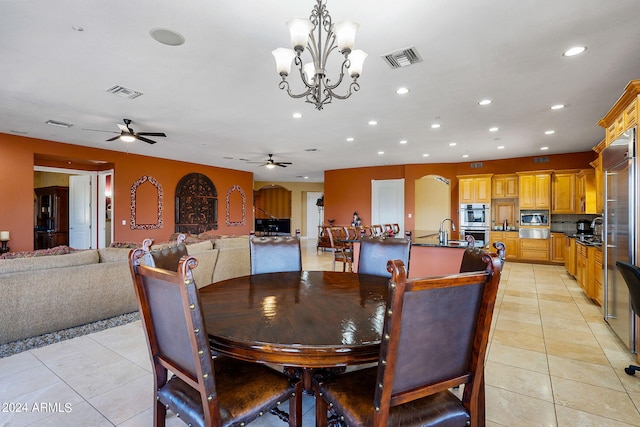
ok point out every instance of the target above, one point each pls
(504, 186)
(474, 188)
(563, 192)
(586, 192)
(534, 190)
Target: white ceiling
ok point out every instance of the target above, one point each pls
(217, 98)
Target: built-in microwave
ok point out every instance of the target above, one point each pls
(534, 218)
(475, 215)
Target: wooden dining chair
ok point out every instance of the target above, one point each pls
(167, 257)
(434, 338)
(376, 251)
(275, 254)
(342, 252)
(377, 230)
(202, 391)
(350, 232)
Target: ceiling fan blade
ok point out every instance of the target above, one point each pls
(147, 140)
(152, 134)
(281, 165)
(284, 163)
(100, 130)
(114, 138)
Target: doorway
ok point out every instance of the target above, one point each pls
(91, 199)
(387, 202)
(314, 214)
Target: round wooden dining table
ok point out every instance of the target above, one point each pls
(307, 319)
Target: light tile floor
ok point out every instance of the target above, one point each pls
(552, 361)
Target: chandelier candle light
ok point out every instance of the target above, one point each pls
(309, 33)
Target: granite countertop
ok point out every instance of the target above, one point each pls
(433, 242)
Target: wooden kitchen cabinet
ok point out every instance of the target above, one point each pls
(598, 275)
(563, 192)
(581, 267)
(534, 249)
(534, 190)
(474, 188)
(504, 186)
(510, 240)
(586, 192)
(599, 178)
(557, 247)
(570, 255)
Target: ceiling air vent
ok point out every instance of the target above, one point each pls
(402, 58)
(124, 92)
(59, 124)
(540, 160)
(477, 165)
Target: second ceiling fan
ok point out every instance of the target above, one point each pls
(270, 163)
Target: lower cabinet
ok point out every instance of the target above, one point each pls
(595, 258)
(570, 255)
(557, 247)
(581, 268)
(510, 240)
(534, 249)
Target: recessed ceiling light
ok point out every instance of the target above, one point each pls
(166, 36)
(557, 107)
(350, 139)
(425, 155)
(297, 115)
(402, 91)
(306, 177)
(465, 155)
(500, 147)
(381, 152)
(493, 129)
(549, 132)
(435, 126)
(544, 148)
(372, 123)
(576, 50)
(485, 102)
(452, 144)
(404, 141)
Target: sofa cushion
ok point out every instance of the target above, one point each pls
(206, 245)
(232, 242)
(45, 262)
(113, 254)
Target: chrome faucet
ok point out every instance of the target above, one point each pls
(593, 223)
(593, 227)
(443, 235)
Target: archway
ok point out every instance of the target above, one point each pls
(432, 203)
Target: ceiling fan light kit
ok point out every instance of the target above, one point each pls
(319, 90)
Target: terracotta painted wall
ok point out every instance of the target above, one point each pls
(347, 190)
(17, 183)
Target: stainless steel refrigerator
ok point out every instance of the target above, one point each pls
(620, 186)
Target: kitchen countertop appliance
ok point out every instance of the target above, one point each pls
(620, 230)
(583, 226)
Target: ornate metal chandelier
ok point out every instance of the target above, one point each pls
(319, 89)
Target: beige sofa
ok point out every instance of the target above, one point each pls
(49, 293)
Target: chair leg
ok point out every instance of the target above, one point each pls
(631, 370)
(160, 414)
(321, 411)
(295, 407)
